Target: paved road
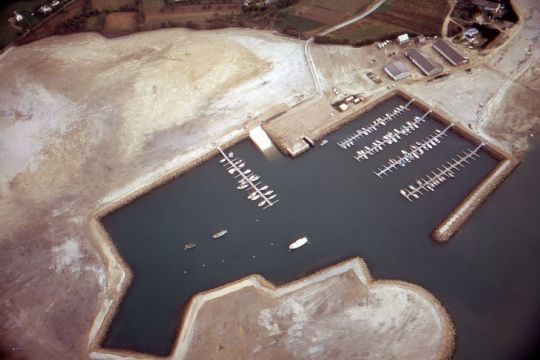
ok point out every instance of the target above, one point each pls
(307, 47)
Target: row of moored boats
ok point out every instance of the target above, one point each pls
(415, 151)
(440, 176)
(389, 138)
(248, 181)
(375, 124)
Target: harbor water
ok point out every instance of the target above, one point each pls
(486, 276)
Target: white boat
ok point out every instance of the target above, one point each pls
(222, 161)
(219, 234)
(241, 187)
(264, 188)
(324, 142)
(231, 154)
(298, 243)
(262, 203)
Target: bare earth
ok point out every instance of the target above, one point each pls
(85, 121)
(306, 320)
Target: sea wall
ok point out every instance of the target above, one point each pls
(507, 163)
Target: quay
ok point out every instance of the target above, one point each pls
(508, 163)
(431, 182)
(374, 126)
(415, 151)
(457, 218)
(247, 181)
(390, 137)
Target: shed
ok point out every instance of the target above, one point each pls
(449, 53)
(424, 63)
(397, 70)
(403, 39)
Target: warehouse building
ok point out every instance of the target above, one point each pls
(449, 53)
(424, 63)
(397, 70)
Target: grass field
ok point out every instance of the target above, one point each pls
(297, 23)
(110, 5)
(312, 16)
(398, 16)
(120, 22)
(150, 4)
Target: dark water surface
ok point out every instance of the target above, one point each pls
(487, 276)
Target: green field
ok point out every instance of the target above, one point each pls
(397, 16)
(288, 21)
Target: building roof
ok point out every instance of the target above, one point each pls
(470, 32)
(403, 38)
(397, 70)
(427, 65)
(449, 53)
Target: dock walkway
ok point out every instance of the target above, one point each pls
(350, 140)
(431, 182)
(247, 181)
(390, 137)
(415, 152)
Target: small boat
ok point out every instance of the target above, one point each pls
(231, 154)
(262, 203)
(241, 187)
(324, 142)
(189, 245)
(298, 243)
(219, 234)
(222, 161)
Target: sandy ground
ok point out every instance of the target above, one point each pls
(305, 320)
(85, 121)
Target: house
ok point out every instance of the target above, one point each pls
(403, 39)
(489, 6)
(44, 9)
(18, 17)
(470, 33)
(397, 70)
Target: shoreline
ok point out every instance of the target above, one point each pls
(121, 276)
(356, 265)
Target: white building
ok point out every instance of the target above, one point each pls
(18, 17)
(403, 39)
